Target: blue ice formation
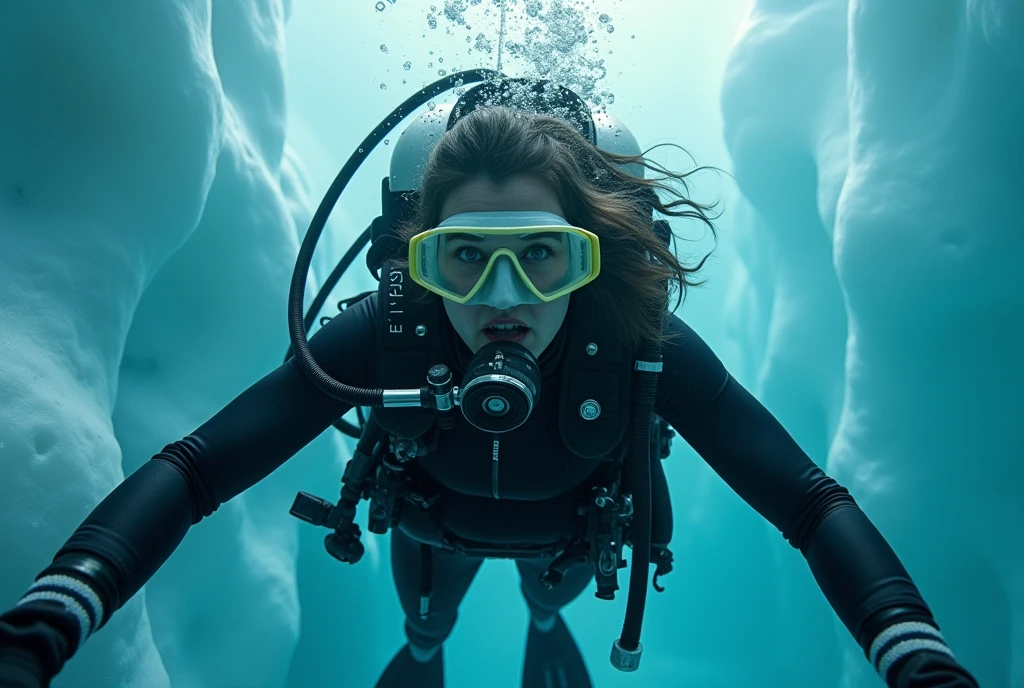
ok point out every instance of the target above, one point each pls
(148, 236)
(879, 145)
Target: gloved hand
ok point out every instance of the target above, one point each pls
(35, 639)
(926, 669)
(21, 668)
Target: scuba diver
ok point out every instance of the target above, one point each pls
(515, 375)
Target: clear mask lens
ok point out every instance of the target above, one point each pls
(483, 265)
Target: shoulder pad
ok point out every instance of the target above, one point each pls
(604, 377)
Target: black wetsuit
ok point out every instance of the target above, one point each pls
(531, 496)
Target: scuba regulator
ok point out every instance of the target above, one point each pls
(501, 385)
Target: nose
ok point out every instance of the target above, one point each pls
(506, 290)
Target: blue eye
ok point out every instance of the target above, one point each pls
(538, 252)
(467, 254)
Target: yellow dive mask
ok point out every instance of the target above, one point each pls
(504, 259)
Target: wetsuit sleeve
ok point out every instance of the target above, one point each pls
(855, 567)
(130, 534)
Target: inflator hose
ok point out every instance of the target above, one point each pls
(639, 467)
(296, 323)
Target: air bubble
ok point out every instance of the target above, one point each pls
(431, 105)
(379, 6)
(482, 43)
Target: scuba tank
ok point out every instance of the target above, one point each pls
(410, 404)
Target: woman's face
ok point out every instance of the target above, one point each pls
(540, 321)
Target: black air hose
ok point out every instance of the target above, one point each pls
(626, 651)
(296, 323)
(326, 288)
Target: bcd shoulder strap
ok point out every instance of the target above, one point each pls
(408, 342)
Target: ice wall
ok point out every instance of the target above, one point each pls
(208, 326)
(147, 236)
(929, 249)
(880, 144)
(96, 103)
(788, 152)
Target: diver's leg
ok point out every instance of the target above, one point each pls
(420, 662)
(552, 657)
(545, 604)
(451, 575)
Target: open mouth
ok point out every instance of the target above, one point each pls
(505, 331)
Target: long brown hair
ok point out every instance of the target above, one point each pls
(638, 271)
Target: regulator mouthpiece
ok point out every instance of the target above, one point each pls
(500, 388)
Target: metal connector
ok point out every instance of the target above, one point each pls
(626, 660)
(403, 398)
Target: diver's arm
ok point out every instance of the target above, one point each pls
(130, 534)
(855, 567)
